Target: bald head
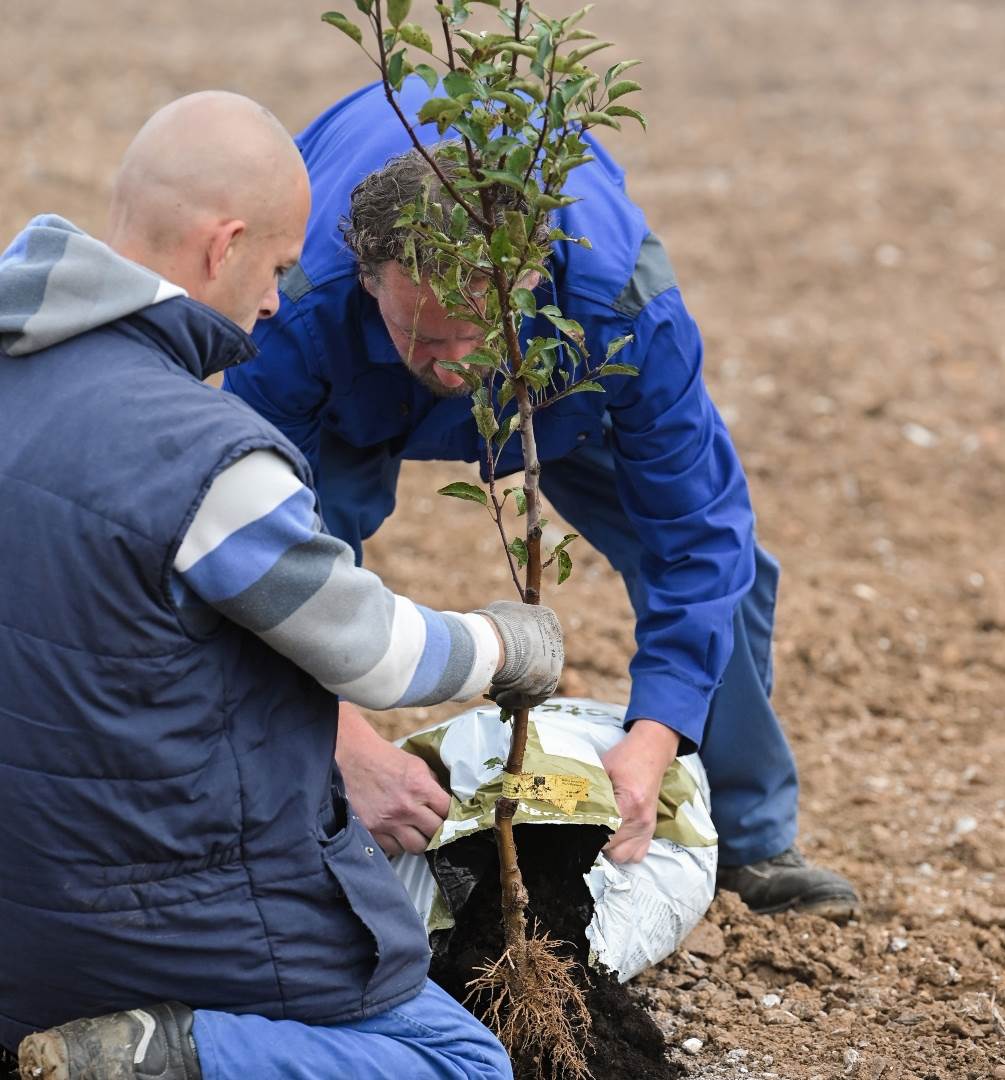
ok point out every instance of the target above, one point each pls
(207, 162)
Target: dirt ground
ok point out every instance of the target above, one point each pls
(828, 179)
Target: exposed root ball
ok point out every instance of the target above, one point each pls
(539, 1014)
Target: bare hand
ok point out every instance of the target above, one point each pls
(395, 794)
(636, 766)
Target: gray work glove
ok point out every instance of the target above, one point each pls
(532, 638)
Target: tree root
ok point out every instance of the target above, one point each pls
(539, 1014)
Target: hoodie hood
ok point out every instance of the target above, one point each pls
(56, 282)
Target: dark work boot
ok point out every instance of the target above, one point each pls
(787, 882)
(154, 1043)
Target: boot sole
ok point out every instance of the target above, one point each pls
(837, 909)
(42, 1056)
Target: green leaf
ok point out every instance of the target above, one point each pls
(586, 50)
(577, 16)
(473, 131)
(471, 378)
(480, 358)
(564, 566)
(530, 87)
(485, 420)
(415, 35)
(500, 245)
(366, 6)
(396, 69)
(619, 69)
(461, 490)
(519, 159)
(340, 22)
(569, 327)
(542, 54)
(552, 202)
(508, 427)
(624, 110)
(596, 117)
(564, 542)
(589, 386)
(459, 85)
(505, 392)
(493, 763)
(458, 222)
(524, 302)
(497, 176)
(622, 87)
(397, 11)
(518, 549)
(616, 369)
(427, 74)
(519, 497)
(572, 89)
(615, 346)
(441, 111)
(537, 346)
(410, 259)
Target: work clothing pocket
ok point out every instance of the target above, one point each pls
(379, 901)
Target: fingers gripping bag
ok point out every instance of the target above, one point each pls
(641, 911)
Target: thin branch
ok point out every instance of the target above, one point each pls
(531, 489)
(448, 38)
(497, 516)
(427, 157)
(545, 112)
(517, 19)
(588, 375)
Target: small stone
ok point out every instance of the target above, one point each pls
(898, 944)
(781, 1016)
(919, 435)
(964, 825)
(999, 1073)
(888, 256)
(740, 1055)
(692, 1046)
(769, 1001)
(707, 940)
(851, 1059)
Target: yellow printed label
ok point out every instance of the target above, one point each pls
(562, 791)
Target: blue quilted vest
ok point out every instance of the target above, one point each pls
(171, 821)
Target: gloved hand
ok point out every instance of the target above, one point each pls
(532, 638)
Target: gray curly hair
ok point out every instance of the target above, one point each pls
(376, 203)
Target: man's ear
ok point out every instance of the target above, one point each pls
(370, 282)
(220, 247)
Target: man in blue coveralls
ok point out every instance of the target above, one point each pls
(646, 473)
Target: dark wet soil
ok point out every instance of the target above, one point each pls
(553, 859)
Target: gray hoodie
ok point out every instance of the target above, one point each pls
(57, 282)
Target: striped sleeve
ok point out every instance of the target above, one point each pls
(256, 553)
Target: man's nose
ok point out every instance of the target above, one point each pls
(270, 303)
(454, 350)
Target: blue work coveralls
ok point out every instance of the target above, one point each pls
(645, 472)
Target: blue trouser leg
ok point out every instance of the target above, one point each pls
(751, 771)
(430, 1037)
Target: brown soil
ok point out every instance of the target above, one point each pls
(827, 177)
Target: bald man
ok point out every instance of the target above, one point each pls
(175, 625)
